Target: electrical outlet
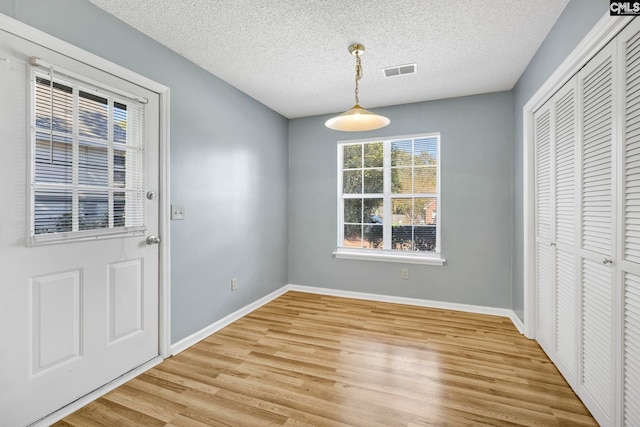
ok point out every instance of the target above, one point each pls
(404, 273)
(234, 284)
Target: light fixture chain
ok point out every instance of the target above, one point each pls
(358, 76)
(357, 119)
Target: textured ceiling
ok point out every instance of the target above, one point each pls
(292, 56)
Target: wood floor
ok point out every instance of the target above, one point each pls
(312, 360)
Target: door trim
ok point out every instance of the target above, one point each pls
(603, 32)
(22, 30)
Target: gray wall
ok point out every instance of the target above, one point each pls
(228, 166)
(573, 24)
(476, 145)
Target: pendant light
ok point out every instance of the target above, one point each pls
(357, 119)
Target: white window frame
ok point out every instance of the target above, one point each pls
(388, 255)
(39, 68)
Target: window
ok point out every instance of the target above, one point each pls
(87, 160)
(389, 199)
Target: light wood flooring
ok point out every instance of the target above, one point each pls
(313, 360)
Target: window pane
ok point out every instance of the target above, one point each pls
(93, 210)
(425, 151)
(119, 213)
(52, 211)
(53, 160)
(93, 116)
(401, 237)
(373, 155)
(401, 153)
(424, 239)
(424, 179)
(352, 183)
(373, 210)
(372, 236)
(93, 164)
(62, 105)
(352, 155)
(353, 236)
(119, 123)
(426, 209)
(402, 211)
(119, 168)
(373, 218)
(401, 181)
(353, 211)
(373, 181)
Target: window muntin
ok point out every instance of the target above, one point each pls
(87, 177)
(388, 195)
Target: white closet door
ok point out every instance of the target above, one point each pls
(597, 377)
(629, 41)
(563, 105)
(544, 239)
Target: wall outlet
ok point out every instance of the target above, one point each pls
(234, 284)
(177, 212)
(404, 273)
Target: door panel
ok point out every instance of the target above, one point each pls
(631, 372)
(566, 225)
(73, 315)
(125, 299)
(545, 271)
(629, 42)
(55, 319)
(596, 88)
(567, 315)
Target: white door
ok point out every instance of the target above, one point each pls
(79, 311)
(545, 254)
(565, 353)
(598, 197)
(556, 230)
(629, 42)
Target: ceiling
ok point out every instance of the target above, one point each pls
(292, 55)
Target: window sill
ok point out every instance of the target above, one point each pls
(389, 257)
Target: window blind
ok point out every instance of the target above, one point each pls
(88, 175)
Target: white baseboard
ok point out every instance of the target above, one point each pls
(88, 398)
(517, 322)
(468, 308)
(192, 339)
(225, 321)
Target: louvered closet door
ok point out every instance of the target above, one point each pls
(597, 377)
(544, 229)
(629, 41)
(564, 109)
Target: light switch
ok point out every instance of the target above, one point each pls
(177, 212)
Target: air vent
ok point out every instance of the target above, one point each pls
(400, 70)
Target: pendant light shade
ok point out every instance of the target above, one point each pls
(357, 119)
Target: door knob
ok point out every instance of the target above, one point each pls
(153, 240)
(606, 261)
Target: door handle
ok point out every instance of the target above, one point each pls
(153, 240)
(606, 261)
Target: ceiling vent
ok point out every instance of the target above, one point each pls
(400, 70)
